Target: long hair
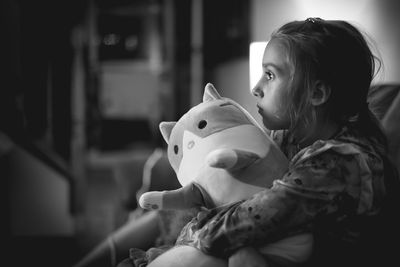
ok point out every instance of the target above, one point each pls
(337, 54)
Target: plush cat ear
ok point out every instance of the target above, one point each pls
(210, 93)
(166, 129)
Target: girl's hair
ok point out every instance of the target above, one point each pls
(336, 54)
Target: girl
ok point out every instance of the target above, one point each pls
(312, 96)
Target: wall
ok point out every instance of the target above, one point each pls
(130, 90)
(232, 80)
(39, 197)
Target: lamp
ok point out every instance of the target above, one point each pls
(255, 61)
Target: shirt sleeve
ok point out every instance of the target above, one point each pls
(326, 179)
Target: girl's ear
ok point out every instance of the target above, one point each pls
(321, 94)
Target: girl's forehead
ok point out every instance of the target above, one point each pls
(275, 48)
(275, 53)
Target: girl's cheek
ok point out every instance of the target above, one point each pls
(276, 114)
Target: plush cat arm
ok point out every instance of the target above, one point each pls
(185, 197)
(231, 159)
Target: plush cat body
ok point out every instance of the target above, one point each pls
(220, 155)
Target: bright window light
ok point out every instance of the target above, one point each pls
(255, 61)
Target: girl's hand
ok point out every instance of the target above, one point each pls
(247, 256)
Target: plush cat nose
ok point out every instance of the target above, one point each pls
(190, 141)
(190, 144)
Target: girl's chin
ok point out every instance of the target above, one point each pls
(273, 125)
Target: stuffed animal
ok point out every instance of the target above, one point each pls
(220, 155)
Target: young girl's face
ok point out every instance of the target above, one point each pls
(272, 88)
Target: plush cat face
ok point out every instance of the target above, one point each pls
(196, 133)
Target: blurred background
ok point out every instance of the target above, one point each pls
(85, 83)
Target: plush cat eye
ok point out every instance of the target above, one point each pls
(202, 124)
(176, 149)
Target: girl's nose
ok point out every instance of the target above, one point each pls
(257, 92)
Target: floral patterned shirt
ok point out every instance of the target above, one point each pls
(329, 186)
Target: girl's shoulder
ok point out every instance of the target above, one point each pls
(347, 143)
(348, 158)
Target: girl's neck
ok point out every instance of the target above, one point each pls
(322, 130)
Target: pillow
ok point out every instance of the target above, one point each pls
(380, 98)
(384, 102)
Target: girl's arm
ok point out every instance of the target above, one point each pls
(317, 183)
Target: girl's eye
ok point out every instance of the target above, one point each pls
(269, 75)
